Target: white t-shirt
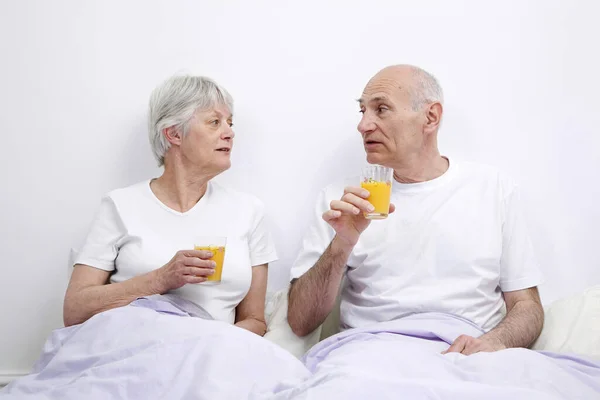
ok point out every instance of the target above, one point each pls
(134, 233)
(453, 245)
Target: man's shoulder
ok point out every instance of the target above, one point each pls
(485, 174)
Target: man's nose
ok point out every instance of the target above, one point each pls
(366, 124)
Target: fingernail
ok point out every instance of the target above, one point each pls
(366, 193)
(214, 264)
(356, 211)
(371, 208)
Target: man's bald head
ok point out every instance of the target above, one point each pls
(402, 111)
(422, 87)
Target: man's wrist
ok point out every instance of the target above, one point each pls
(493, 340)
(341, 246)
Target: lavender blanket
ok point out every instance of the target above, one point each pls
(155, 349)
(402, 360)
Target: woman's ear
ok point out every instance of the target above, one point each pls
(173, 135)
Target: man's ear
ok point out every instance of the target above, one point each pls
(434, 117)
(173, 135)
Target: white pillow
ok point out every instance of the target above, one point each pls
(278, 329)
(572, 325)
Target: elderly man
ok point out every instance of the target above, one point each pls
(456, 244)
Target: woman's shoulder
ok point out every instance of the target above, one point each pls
(129, 194)
(226, 193)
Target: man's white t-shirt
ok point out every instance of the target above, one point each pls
(134, 233)
(453, 245)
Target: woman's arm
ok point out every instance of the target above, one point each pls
(89, 294)
(250, 313)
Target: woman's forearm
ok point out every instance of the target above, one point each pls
(82, 304)
(253, 325)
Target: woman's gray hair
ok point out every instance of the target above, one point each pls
(173, 104)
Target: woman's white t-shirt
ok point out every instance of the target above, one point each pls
(134, 233)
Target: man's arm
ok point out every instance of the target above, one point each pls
(313, 295)
(520, 328)
(523, 322)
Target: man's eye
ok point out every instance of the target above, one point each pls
(381, 109)
(361, 111)
(215, 122)
(230, 124)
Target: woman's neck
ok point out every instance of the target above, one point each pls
(180, 188)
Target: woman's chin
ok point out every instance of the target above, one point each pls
(222, 166)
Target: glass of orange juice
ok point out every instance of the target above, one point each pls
(378, 181)
(216, 245)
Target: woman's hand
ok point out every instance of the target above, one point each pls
(187, 266)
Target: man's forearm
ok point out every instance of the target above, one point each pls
(521, 326)
(313, 295)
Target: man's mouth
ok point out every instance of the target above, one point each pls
(371, 143)
(225, 149)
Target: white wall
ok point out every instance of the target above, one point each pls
(521, 82)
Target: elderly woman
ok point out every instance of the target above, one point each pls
(142, 239)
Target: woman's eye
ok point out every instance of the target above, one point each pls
(215, 122)
(230, 124)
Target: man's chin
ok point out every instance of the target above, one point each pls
(374, 158)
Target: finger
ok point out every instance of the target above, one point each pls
(358, 191)
(331, 215)
(457, 346)
(346, 208)
(193, 271)
(194, 279)
(472, 347)
(198, 262)
(392, 208)
(203, 254)
(358, 202)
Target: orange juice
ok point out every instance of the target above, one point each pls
(380, 193)
(218, 257)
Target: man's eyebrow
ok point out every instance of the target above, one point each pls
(376, 99)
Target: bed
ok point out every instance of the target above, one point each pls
(152, 350)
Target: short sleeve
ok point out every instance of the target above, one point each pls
(102, 242)
(518, 266)
(260, 242)
(315, 242)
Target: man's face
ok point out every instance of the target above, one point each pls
(391, 130)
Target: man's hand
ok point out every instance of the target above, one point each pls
(346, 215)
(468, 345)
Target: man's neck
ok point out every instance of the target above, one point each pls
(421, 168)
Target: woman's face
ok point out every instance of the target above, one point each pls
(209, 140)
